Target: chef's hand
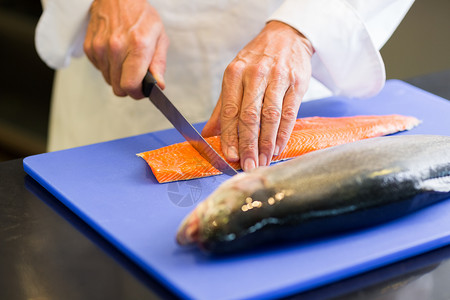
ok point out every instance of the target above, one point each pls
(261, 93)
(124, 39)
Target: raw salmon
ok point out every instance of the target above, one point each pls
(181, 161)
(347, 187)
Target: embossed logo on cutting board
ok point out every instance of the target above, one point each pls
(184, 193)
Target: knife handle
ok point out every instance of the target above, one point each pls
(148, 83)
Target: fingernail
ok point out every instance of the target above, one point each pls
(262, 159)
(160, 80)
(232, 153)
(249, 164)
(277, 150)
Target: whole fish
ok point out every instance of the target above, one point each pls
(332, 190)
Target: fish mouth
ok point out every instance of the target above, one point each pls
(189, 230)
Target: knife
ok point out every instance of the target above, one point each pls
(157, 97)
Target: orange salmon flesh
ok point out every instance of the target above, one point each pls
(182, 162)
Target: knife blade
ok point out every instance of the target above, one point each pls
(184, 127)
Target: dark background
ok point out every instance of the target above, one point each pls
(25, 82)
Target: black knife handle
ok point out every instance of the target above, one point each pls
(148, 83)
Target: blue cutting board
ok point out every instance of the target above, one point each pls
(114, 191)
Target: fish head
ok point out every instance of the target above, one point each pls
(210, 220)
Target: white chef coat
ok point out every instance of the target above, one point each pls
(204, 37)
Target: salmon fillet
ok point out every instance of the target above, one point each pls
(182, 162)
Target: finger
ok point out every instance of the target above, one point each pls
(212, 127)
(270, 120)
(158, 63)
(96, 49)
(87, 45)
(232, 90)
(136, 64)
(250, 115)
(291, 105)
(101, 58)
(116, 55)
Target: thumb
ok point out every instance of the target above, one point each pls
(158, 63)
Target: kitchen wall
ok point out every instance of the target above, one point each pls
(420, 45)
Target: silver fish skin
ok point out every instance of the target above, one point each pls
(324, 192)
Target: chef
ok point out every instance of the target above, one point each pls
(245, 65)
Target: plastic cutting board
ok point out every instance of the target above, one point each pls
(114, 192)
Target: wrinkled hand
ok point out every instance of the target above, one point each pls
(124, 39)
(261, 93)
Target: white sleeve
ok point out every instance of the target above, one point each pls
(61, 30)
(346, 36)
